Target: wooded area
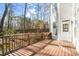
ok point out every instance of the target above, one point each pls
(30, 16)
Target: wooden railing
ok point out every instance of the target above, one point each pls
(10, 43)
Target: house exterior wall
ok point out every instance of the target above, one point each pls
(77, 26)
(65, 17)
(68, 14)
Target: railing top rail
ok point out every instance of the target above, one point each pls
(24, 34)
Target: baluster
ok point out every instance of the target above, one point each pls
(14, 41)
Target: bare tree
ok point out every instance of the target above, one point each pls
(25, 14)
(38, 12)
(3, 16)
(10, 17)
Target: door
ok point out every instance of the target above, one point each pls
(66, 30)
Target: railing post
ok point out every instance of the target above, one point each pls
(42, 36)
(22, 41)
(28, 39)
(9, 43)
(14, 40)
(12, 43)
(2, 45)
(6, 43)
(25, 39)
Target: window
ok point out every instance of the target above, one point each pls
(65, 27)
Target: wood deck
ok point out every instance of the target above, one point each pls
(47, 48)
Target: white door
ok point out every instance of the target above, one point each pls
(66, 31)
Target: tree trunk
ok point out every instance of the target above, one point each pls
(3, 17)
(25, 15)
(9, 14)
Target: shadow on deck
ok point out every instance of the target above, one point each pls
(47, 48)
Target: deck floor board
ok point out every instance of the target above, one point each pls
(47, 48)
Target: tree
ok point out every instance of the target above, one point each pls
(3, 17)
(39, 24)
(9, 14)
(25, 15)
(38, 11)
(21, 23)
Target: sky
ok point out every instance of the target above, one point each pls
(1, 8)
